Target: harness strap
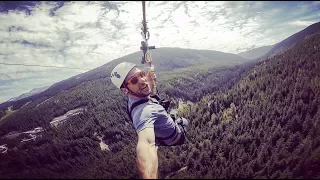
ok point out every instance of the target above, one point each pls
(135, 105)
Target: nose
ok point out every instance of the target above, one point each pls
(142, 79)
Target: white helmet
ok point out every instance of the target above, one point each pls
(120, 72)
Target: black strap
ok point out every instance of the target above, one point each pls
(135, 105)
(156, 96)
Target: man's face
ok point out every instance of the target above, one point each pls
(136, 81)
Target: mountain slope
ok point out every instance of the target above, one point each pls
(30, 93)
(256, 52)
(292, 40)
(266, 126)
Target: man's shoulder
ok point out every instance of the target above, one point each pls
(146, 106)
(132, 100)
(138, 101)
(145, 109)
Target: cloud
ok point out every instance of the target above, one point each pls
(301, 23)
(83, 34)
(4, 77)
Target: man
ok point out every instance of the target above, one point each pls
(153, 124)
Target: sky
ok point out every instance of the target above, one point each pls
(84, 35)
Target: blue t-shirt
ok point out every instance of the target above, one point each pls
(152, 115)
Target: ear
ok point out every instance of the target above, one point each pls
(125, 90)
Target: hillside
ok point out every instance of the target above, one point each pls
(30, 93)
(266, 126)
(256, 52)
(293, 39)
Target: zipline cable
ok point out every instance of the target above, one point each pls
(146, 58)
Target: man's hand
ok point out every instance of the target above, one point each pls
(151, 78)
(151, 75)
(147, 158)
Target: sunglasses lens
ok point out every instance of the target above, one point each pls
(134, 80)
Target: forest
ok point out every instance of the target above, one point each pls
(259, 119)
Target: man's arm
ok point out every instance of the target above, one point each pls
(147, 158)
(151, 78)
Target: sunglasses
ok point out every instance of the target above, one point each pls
(134, 80)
